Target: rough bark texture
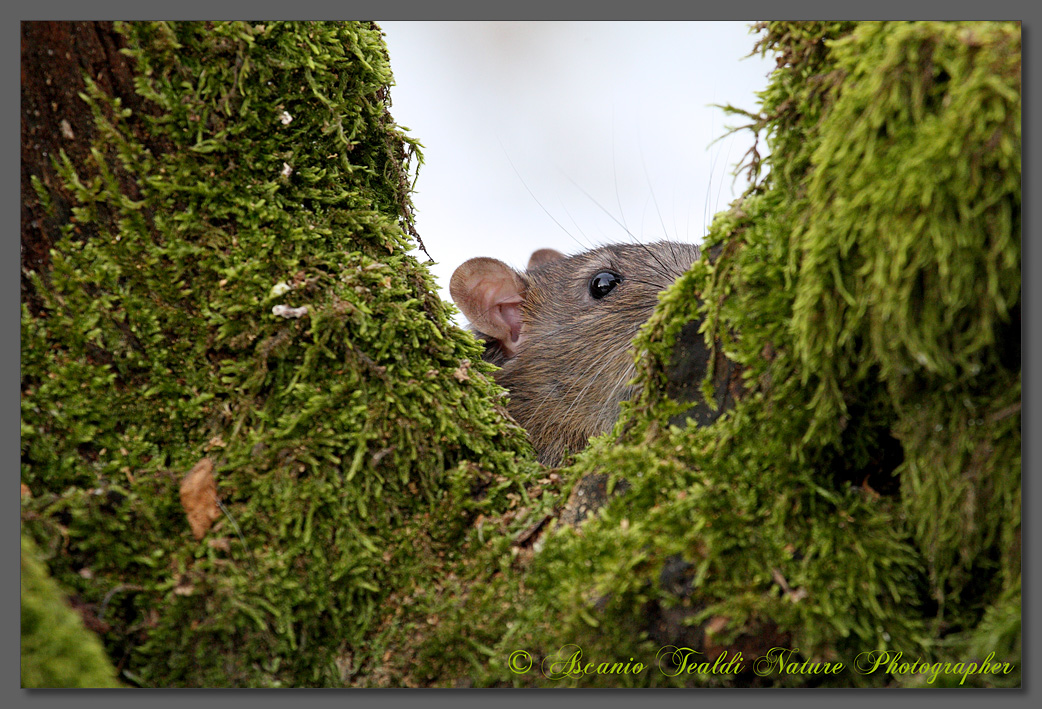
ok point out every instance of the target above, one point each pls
(55, 58)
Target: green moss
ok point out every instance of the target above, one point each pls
(383, 521)
(864, 495)
(57, 650)
(268, 172)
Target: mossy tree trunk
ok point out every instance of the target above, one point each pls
(229, 290)
(55, 57)
(57, 649)
(231, 294)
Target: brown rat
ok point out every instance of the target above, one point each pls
(562, 331)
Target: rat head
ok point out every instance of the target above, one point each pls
(562, 332)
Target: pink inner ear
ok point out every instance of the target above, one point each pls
(510, 312)
(490, 294)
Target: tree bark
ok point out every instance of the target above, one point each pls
(55, 58)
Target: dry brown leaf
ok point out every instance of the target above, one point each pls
(199, 497)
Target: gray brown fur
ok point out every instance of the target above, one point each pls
(572, 365)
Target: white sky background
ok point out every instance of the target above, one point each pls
(519, 119)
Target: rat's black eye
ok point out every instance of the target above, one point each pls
(603, 283)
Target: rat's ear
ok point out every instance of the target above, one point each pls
(490, 294)
(543, 256)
